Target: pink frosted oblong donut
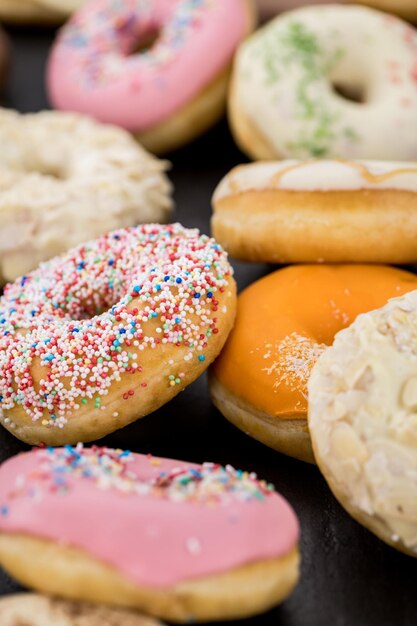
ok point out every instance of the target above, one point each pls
(167, 94)
(170, 529)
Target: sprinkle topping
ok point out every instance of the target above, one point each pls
(59, 469)
(105, 36)
(85, 318)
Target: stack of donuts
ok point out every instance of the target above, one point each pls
(110, 307)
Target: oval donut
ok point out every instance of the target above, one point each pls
(110, 331)
(168, 93)
(180, 541)
(64, 179)
(327, 81)
(284, 323)
(320, 210)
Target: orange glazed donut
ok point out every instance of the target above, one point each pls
(110, 331)
(284, 322)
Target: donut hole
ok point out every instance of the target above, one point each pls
(352, 93)
(146, 41)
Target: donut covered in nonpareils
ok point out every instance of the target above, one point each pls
(110, 331)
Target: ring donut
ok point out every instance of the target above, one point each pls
(327, 81)
(167, 94)
(30, 609)
(319, 210)
(232, 540)
(29, 12)
(407, 9)
(362, 419)
(270, 8)
(65, 179)
(110, 331)
(284, 322)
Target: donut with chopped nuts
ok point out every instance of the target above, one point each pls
(110, 331)
(31, 609)
(284, 322)
(363, 420)
(65, 179)
(180, 541)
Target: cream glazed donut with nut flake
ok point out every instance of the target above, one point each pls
(327, 81)
(363, 420)
(110, 331)
(31, 609)
(166, 93)
(335, 211)
(181, 541)
(64, 179)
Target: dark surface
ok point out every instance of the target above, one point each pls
(348, 576)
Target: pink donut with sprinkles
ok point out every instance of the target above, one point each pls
(181, 541)
(110, 331)
(169, 91)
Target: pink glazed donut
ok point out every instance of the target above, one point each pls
(183, 542)
(167, 92)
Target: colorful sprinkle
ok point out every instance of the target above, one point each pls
(91, 326)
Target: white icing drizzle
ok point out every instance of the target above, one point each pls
(318, 175)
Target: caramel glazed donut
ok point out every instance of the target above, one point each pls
(30, 609)
(327, 81)
(407, 9)
(180, 541)
(308, 211)
(64, 173)
(111, 331)
(363, 424)
(284, 323)
(43, 12)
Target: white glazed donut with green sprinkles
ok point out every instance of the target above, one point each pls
(327, 81)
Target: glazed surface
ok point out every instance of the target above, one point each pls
(94, 67)
(289, 77)
(165, 521)
(287, 319)
(318, 175)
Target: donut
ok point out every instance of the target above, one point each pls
(168, 92)
(407, 9)
(65, 179)
(327, 81)
(270, 8)
(30, 609)
(183, 542)
(362, 419)
(319, 210)
(284, 323)
(110, 331)
(29, 12)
